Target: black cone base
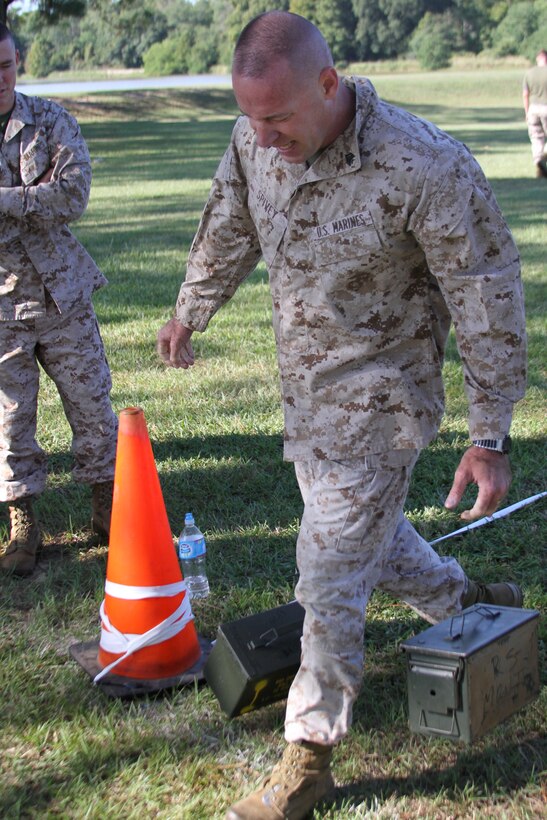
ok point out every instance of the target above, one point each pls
(117, 686)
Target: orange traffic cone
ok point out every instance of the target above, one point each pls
(147, 627)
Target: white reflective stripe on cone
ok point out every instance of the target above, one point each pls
(114, 641)
(129, 593)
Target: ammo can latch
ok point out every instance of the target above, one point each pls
(435, 689)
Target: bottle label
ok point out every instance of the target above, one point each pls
(191, 549)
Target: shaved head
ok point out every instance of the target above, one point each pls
(286, 85)
(280, 35)
(5, 34)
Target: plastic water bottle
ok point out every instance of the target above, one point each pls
(192, 558)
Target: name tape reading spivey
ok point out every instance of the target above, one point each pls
(265, 204)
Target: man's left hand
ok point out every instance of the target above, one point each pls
(491, 472)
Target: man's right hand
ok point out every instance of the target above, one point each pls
(46, 177)
(174, 345)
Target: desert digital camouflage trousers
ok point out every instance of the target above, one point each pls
(354, 538)
(70, 350)
(537, 129)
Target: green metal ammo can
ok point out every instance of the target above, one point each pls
(254, 660)
(472, 671)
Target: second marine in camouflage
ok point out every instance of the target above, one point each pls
(46, 314)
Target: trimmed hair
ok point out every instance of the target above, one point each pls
(5, 34)
(276, 35)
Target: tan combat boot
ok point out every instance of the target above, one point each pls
(499, 594)
(300, 780)
(25, 538)
(101, 509)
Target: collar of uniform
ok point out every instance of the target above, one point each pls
(339, 158)
(343, 156)
(22, 115)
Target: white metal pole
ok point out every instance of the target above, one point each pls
(488, 518)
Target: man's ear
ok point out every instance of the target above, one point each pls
(329, 81)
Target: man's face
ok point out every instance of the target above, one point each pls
(9, 60)
(287, 113)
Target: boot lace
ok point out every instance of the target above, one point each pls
(22, 520)
(297, 761)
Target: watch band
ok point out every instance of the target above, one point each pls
(499, 445)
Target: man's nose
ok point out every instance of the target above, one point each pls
(265, 134)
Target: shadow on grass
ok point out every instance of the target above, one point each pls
(500, 770)
(130, 106)
(478, 116)
(241, 479)
(157, 151)
(248, 502)
(92, 770)
(495, 770)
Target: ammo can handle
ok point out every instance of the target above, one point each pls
(454, 730)
(272, 635)
(481, 610)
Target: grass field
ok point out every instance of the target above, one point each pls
(67, 749)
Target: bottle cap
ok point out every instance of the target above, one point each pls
(189, 518)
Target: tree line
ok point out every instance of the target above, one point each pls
(183, 37)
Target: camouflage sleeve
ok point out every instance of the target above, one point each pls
(471, 252)
(10, 230)
(64, 198)
(225, 248)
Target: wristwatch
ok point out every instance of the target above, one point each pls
(500, 445)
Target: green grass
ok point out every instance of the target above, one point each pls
(68, 750)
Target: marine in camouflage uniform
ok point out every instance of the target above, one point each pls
(373, 246)
(534, 97)
(46, 315)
